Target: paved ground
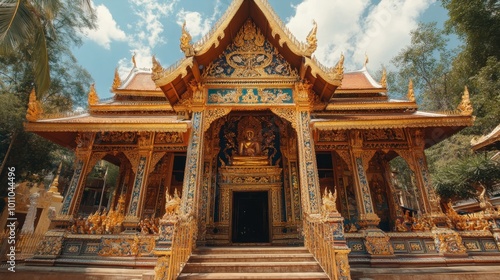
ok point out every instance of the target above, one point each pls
(82, 273)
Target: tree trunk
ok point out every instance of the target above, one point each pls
(12, 139)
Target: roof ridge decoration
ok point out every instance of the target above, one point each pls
(465, 106)
(312, 41)
(411, 93)
(117, 82)
(186, 45)
(250, 55)
(383, 79)
(92, 97)
(34, 111)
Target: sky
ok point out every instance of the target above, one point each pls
(378, 29)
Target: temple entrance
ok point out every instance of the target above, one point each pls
(250, 217)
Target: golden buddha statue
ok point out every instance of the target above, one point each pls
(249, 152)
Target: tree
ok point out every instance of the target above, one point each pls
(426, 61)
(462, 179)
(30, 25)
(69, 83)
(477, 22)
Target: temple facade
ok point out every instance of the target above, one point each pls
(250, 140)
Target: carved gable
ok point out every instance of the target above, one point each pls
(250, 56)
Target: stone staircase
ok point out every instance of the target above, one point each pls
(252, 263)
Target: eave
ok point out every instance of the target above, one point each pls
(64, 130)
(436, 127)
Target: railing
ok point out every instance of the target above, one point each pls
(319, 241)
(182, 246)
(27, 245)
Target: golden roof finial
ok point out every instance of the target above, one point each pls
(157, 69)
(133, 61)
(34, 111)
(339, 68)
(312, 41)
(185, 39)
(366, 60)
(116, 81)
(465, 107)
(55, 183)
(383, 80)
(92, 98)
(411, 93)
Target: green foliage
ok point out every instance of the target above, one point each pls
(22, 24)
(426, 61)
(457, 180)
(477, 22)
(28, 27)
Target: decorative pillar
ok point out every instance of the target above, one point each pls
(141, 163)
(360, 160)
(429, 199)
(376, 241)
(73, 196)
(309, 180)
(29, 223)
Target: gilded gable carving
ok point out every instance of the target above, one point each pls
(250, 56)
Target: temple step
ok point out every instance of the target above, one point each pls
(252, 263)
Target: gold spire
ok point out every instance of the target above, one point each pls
(116, 81)
(34, 111)
(55, 183)
(465, 107)
(366, 60)
(312, 41)
(383, 80)
(185, 39)
(93, 98)
(411, 93)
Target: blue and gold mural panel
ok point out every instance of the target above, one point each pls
(250, 96)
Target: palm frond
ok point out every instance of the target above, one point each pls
(17, 23)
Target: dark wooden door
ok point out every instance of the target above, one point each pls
(250, 217)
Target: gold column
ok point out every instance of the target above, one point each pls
(309, 180)
(429, 198)
(359, 161)
(74, 194)
(376, 241)
(141, 163)
(194, 160)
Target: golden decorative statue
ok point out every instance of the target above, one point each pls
(34, 111)
(329, 202)
(172, 204)
(250, 152)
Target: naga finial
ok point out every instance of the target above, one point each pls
(411, 93)
(92, 98)
(185, 39)
(465, 107)
(34, 111)
(383, 79)
(133, 61)
(312, 41)
(338, 71)
(366, 60)
(116, 81)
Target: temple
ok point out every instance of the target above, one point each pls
(249, 140)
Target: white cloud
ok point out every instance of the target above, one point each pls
(147, 30)
(107, 30)
(357, 27)
(195, 24)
